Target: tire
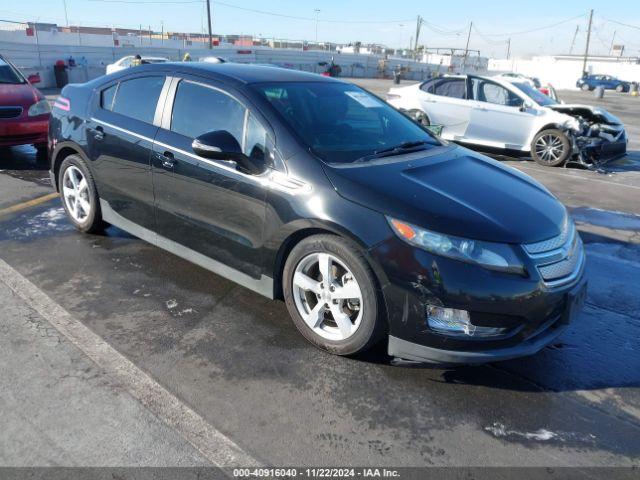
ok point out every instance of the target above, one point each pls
(90, 222)
(585, 87)
(621, 89)
(555, 156)
(366, 322)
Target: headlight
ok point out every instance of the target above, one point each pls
(39, 108)
(493, 256)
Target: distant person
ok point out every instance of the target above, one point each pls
(137, 60)
(187, 57)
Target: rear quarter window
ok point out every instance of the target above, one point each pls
(108, 96)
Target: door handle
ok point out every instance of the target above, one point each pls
(98, 133)
(167, 159)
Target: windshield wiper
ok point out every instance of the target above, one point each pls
(405, 147)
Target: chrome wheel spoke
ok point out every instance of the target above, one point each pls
(75, 191)
(350, 290)
(342, 320)
(84, 205)
(324, 261)
(306, 283)
(315, 317)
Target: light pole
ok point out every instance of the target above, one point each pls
(317, 10)
(66, 15)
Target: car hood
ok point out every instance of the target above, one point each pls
(22, 94)
(455, 191)
(595, 114)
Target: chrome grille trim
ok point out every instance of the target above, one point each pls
(553, 243)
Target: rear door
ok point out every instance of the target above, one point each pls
(445, 102)
(120, 135)
(498, 119)
(206, 205)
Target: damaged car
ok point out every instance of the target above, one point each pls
(513, 118)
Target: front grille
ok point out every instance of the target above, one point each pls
(561, 269)
(559, 259)
(10, 112)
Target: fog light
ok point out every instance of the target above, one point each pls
(450, 321)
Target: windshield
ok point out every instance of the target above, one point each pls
(8, 73)
(343, 123)
(535, 94)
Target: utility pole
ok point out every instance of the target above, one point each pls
(466, 49)
(209, 23)
(573, 42)
(66, 16)
(162, 33)
(415, 45)
(317, 10)
(612, 42)
(508, 49)
(586, 50)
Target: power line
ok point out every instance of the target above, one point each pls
(522, 32)
(621, 23)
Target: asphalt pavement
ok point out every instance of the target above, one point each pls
(235, 361)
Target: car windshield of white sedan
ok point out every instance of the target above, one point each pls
(8, 75)
(535, 94)
(343, 123)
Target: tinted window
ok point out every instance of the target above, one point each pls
(138, 98)
(447, 87)
(8, 73)
(108, 96)
(486, 91)
(198, 109)
(340, 122)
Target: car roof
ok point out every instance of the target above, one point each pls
(240, 73)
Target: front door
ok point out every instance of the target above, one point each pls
(210, 206)
(120, 137)
(498, 118)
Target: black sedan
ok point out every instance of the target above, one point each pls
(314, 191)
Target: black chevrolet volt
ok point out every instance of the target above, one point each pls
(312, 190)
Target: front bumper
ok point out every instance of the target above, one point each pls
(24, 130)
(600, 150)
(532, 312)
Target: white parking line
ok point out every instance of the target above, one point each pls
(210, 442)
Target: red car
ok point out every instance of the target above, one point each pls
(24, 110)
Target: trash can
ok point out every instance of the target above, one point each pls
(60, 72)
(599, 92)
(634, 89)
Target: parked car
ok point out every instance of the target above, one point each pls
(591, 82)
(128, 61)
(520, 78)
(24, 110)
(513, 118)
(314, 191)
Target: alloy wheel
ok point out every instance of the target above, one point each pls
(327, 296)
(75, 191)
(549, 148)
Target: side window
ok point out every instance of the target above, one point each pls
(429, 86)
(126, 62)
(490, 92)
(108, 96)
(137, 98)
(198, 109)
(448, 87)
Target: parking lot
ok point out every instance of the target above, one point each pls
(235, 361)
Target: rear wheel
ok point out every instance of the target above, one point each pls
(551, 148)
(330, 292)
(79, 195)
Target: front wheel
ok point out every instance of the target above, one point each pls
(585, 87)
(620, 89)
(79, 195)
(551, 148)
(331, 294)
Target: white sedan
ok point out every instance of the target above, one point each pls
(511, 117)
(128, 61)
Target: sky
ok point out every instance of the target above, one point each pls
(534, 27)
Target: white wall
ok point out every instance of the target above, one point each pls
(563, 73)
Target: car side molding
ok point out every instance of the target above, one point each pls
(262, 285)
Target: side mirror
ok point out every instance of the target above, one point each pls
(33, 79)
(221, 145)
(525, 106)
